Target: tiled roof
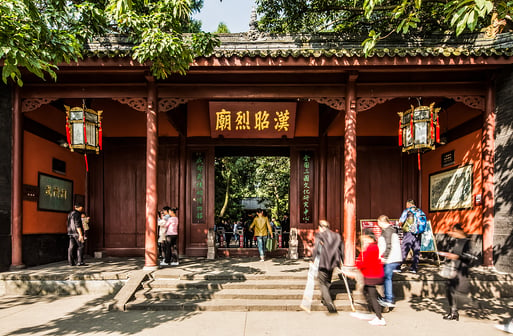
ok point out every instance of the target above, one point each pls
(254, 44)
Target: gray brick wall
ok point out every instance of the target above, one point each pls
(503, 176)
(5, 175)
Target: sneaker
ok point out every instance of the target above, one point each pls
(362, 316)
(377, 322)
(175, 263)
(508, 327)
(262, 259)
(382, 302)
(412, 271)
(163, 263)
(389, 304)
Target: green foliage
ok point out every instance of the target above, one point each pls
(40, 34)
(264, 177)
(222, 28)
(379, 19)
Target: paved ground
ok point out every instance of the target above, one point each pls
(85, 315)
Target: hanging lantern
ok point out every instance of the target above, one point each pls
(419, 129)
(83, 128)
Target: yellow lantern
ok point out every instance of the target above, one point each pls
(419, 129)
(83, 129)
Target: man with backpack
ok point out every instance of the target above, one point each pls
(413, 222)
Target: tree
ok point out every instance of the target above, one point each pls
(222, 28)
(273, 175)
(40, 34)
(240, 177)
(378, 19)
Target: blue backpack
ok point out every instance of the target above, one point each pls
(417, 220)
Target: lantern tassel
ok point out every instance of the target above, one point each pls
(437, 130)
(100, 136)
(418, 159)
(86, 164)
(68, 134)
(431, 122)
(400, 134)
(411, 126)
(85, 133)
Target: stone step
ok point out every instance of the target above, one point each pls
(230, 305)
(226, 294)
(219, 284)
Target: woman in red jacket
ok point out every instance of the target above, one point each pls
(369, 263)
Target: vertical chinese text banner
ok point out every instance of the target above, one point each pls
(306, 187)
(198, 188)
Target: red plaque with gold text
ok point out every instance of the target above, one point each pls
(252, 119)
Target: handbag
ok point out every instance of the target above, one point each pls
(449, 270)
(270, 245)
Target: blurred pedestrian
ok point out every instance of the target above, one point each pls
(391, 257)
(369, 263)
(458, 287)
(329, 248)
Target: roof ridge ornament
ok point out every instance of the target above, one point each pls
(253, 33)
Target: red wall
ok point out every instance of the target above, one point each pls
(37, 157)
(467, 150)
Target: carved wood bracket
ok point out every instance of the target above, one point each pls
(337, 103)
(167, 104)
(32, 104)
(363, 104)
(138, 104)
(475, 102)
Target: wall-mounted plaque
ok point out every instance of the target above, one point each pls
(252, 119)
(451, 189)
(55, 194)
(447, 159)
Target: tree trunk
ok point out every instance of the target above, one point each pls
(226, 194)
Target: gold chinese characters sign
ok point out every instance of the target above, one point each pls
(252, 119)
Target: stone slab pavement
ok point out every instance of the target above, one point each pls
(85, 315)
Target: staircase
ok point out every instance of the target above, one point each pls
(263, 289)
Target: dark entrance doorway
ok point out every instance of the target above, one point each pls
(248, 179)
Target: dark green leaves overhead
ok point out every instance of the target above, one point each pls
(40, 34)
(373, 20)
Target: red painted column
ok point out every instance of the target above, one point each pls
(17, 182)
(350, 173)
(488, 143)
(322, 179)
(182, 195)
(152, 146)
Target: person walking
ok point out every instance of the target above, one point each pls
(261, 228)
(413, 222)
(329, 248)
(369, 264)
(458, 287)
(76, 236)
(391, 257)
(171, 251)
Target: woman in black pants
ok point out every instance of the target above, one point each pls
(458, 287)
